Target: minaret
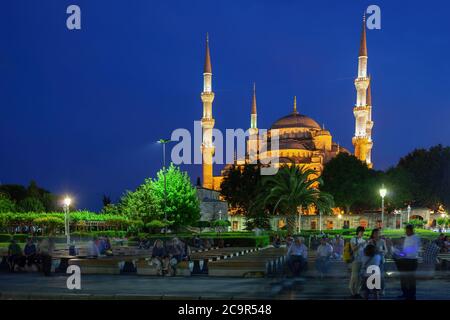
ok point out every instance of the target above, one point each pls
(252, 144)
(254, 116)
(362, 141)
(207, 121)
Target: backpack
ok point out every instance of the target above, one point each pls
(347, 255)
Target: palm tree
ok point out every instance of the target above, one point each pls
(292, 189)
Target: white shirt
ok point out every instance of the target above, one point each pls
(298, 250)
(359, 252)
(324, 250)
(411, 247)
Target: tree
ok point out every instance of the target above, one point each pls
(141, 204)
(31, 204)
(182, 206)
(349, 181)
(106, 200)
(240, 187)
(430, 170)
(293, 189)
(6, 204)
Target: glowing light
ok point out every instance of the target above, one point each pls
(67, 201)
(383, 192)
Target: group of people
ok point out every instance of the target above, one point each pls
(297, 253)
(100, 246)
(363, 255)
(32, 256)
(165, 257)
(373, 252)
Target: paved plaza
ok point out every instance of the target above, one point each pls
(35, 286)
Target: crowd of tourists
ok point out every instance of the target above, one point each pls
(360, 254)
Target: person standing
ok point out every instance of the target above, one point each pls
(357, 245)
(338, 246)
(381, 250)
(46, 247)
(406, 261)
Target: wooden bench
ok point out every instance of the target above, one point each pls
(258, 263)
(97, 266)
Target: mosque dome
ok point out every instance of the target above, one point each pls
(296, 120)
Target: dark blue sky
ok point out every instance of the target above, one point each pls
(80, 110)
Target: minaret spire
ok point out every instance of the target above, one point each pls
(363, 43)
(254, 99)
(207, 97)
(207, 68)
(252, 142)
(295, 105)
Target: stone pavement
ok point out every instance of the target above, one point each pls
(36, 286)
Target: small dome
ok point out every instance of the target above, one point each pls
(295, 120)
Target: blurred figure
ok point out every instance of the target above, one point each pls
(380, 249)
(160, 257)
(297, 256)
(323, 255)
(92, 248)
(176, 254)
(371, 257)
(338, 246)
(30, 252)
(276, 242)
(16, 260)
(406, 261)
(46, 247)
(357, 245)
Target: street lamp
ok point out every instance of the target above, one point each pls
(383, 192)
(409, 212)
(163, 142)
(66, 205)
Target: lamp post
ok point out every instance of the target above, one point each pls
(409, 212)
(163, 142)
(67, 201)
(383, 192)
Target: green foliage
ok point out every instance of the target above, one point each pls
(5, 237)
(156, 225)
(240, 187)
(350, 182)
(430, 170)
(183, 206)
(417, 223)
(41, 197)
(49, 224)
(442, 221)
(31, 204)
(6, 204)
(141, 204)
(294, 188)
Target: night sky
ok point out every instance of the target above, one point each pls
(80, 110)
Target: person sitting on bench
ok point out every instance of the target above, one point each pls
(15, 256)
(297, 256)
(159, 257)
(30, 252)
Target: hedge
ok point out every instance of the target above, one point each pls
(249, 240)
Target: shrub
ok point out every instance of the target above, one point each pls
(21, 237)
(4, 237)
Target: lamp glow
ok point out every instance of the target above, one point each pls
(383, 192)
(67, 201)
